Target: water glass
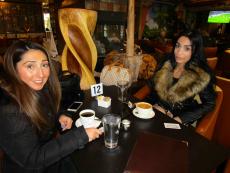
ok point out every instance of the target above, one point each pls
(111, 124)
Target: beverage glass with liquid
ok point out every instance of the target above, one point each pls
(111, 125)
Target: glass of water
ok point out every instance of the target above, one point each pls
(122, 92)
(111, 124)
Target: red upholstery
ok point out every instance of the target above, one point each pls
(207, 125)
(222, 129)
(212, 62)
(210, 51)
(227, 167)
(142, 93)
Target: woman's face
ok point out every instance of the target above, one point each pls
(183, 50)
(33, 69)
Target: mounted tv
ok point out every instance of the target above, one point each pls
(219, 17)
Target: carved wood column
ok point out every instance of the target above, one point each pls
(80, 54)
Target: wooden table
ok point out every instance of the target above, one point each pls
(204, 156)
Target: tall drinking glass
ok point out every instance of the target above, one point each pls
(122, 92)
(111, 124)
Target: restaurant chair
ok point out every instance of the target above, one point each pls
(207, 124)
(210, 51)
(159, 53)
(142, 93)
(212, 62)
(224, 64)
(223, 169)
(227, 167)
(222, 129)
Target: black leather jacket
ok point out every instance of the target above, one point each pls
(190, 110)
(190, 97)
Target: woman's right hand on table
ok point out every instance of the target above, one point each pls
(159, 108)
(93, 133)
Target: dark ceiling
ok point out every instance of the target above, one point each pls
(188, 3)
(30, 1)
(169, 1)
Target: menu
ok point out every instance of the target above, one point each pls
(157, 153)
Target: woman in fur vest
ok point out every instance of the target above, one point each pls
(183, 84)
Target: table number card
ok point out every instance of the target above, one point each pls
(96, 89)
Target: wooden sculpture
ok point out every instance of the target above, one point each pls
(80, 54)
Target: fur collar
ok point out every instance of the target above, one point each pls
(189, 84)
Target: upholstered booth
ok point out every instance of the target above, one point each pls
(222, 129)
(227, 167)
(207, 125)
(212, 62)
(210, 52)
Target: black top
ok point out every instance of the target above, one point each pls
(28, 151)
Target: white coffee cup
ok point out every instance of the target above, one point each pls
(87, 117)
(144, 109)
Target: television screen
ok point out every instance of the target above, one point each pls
(219, 17)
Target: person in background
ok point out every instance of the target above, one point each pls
(183, 83)
(29, 104)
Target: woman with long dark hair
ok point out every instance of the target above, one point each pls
(29, 102)
(183, 84)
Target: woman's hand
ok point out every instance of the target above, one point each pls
(159, 108)
(66, 122)
(93, 133)
(177, 119)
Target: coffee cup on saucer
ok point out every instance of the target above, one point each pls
(144, 109)
(87, 117)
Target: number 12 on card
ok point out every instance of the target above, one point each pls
(96, 89)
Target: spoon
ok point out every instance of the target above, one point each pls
(130, 104)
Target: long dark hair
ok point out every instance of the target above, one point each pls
(197, 49)
(198, 58)
(27, 98)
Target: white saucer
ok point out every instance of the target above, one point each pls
(135, 113)
(95, 124)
